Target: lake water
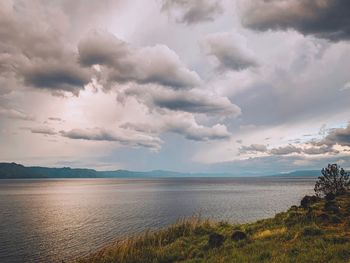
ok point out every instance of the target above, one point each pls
(55, 220)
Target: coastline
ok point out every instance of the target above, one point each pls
(304, 234)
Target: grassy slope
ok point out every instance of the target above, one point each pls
(298, 235)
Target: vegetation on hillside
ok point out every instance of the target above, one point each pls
(316, 231)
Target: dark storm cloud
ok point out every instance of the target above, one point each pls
(147, 65)
(230, 51)
(193, 11)
(329, 19)
(126, 138)
(187, 101)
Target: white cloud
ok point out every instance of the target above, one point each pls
(123, 63)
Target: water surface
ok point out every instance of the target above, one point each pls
(54, 220)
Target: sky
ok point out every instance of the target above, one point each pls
(241, 86)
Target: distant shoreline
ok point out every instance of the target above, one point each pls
(18, 171)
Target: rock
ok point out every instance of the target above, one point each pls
(215, 240)
(238, 235)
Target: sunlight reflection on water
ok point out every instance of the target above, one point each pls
(51, 220)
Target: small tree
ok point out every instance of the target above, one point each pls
(334, 180)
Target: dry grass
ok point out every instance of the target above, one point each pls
(297, 235)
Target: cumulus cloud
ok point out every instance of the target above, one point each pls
(285, 150)
(337, 136)
(329, 19)
(253, 148)
(123, 63)
(230, 50)
(290, 149)
(320, 150)
(193, 11)
(188, 101)
(33, 52)
(57, 75)
(183, 124)
(122, 137)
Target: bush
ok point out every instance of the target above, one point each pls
(312, 231)
(334, 180)
(215, 240)
(336, 220)
(308, 200)
(238, 235)
(331, 206)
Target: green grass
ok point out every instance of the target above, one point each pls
(297, 235)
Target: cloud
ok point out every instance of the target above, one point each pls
(125, 138)
(285, 150)
(54, 119)
(230, 50)
(58, 75)
(188, 101)
(346, 86)
(193, 11)
(320, 150)
(329, 19)
(183, 124)
(253, 148)
(15, 114)
(289, 149)
(33, 51)
(43, 130)
(338, 136)
(146, 65)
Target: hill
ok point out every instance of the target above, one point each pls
(18, 171)
(317, 232)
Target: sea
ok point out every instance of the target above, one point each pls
(57, 220)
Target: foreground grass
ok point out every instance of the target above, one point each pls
(318, 233)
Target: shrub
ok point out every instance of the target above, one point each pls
(336, 220)
(334, 180)
(331, 206)
(215, 240)
(238, 235)
(308, 200)
(312, 231)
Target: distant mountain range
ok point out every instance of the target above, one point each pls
(18, 171)
(300, 173)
